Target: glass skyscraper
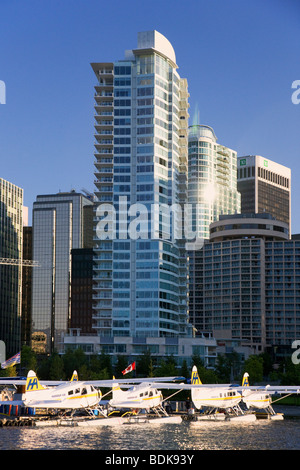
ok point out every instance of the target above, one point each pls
(141, 120)
(11, 247)
(212, 191)
(60, 223)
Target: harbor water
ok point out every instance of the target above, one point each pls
(261, 434)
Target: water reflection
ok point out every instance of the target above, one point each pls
(262, 434)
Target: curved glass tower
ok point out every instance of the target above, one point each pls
(141, 114)
(212, 178)
(212, 191)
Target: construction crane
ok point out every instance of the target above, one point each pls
(21, 262)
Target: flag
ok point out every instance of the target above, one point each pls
(16, 359)
(130, 368)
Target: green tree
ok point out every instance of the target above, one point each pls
(28, 359)
(144, 364)
(122, 363)
(184, 371)
(105, 365)
(167, 367)
(255, 368)
(56, 370)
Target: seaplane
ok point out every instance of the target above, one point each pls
(63, 397)
(70, 395)
(259, 399)
(140, 400)
(223, 401)
(219, 402)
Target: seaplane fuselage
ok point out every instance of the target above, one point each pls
(215, 397)
(70, 395)
(137, 397)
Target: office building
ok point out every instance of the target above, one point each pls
(61, 222)
(212, 179)
(82, 290)
(212, 191)
(11, 240)
(265, 186)
(250, 291)
(26, 286)
(141, 113)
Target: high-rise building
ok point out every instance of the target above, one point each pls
(61, 222)
(251, 289)
(11, 241)
(265, 186)
(26, 287)
(82, 290)
(212, 191)
(212, 179)
(141, 114)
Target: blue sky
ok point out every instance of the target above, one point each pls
(240, 58)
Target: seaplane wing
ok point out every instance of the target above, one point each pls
(277, 389)
(129, 382)
(96, 383)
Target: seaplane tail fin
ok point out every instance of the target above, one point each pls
(245, 382)
(74, 376)
(116, 391)
(195, 379)
(32, 383)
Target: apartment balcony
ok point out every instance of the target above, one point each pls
(102, 151)
(103, 171)
(103, 104)
(102, 162)
(103, 124)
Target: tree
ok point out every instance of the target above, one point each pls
(56, 371)
(144, 364)
(122, 363)
(255, 367)
(167, 367)
(185, 372)
(28, 359)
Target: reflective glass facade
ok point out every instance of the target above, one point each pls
(141, 161)
(59, 225)
(11, 241)
(212, 190)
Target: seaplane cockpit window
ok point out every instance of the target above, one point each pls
(83, 391)
(77, 391)
(150, 393)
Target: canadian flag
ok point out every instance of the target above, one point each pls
(130, 368)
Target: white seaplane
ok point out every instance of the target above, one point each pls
(223, 401)
(140, 400)
(68, 396)
(259, 399)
